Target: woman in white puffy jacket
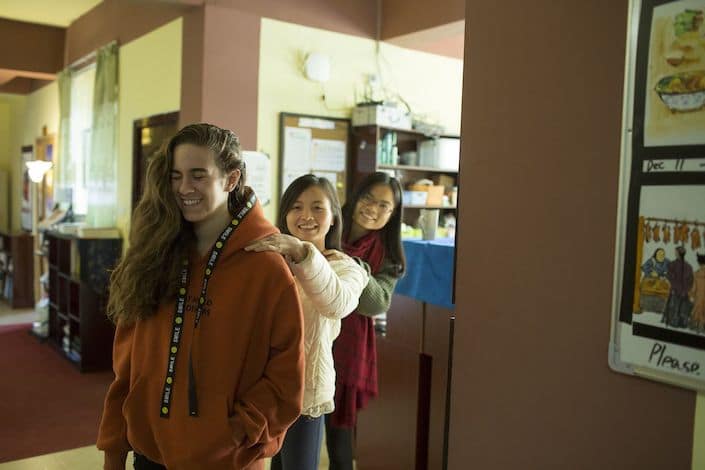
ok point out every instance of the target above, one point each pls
(330, 284)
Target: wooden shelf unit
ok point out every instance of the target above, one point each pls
(78, 292)
(365, 140)
(17, 252)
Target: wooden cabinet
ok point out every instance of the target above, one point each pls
(387, 429)
(371, 152)
(406, 426)
(78, 293)
(437, 349)
(16, 269)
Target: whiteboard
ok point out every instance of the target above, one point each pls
(658, 312)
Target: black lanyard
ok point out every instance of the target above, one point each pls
(179, 314)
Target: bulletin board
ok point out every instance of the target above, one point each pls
(314, 144)
(658, 319)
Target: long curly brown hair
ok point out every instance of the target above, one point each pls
(160, 237)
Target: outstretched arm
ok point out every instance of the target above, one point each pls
(335, 292)
(288, 246)
(377, 296)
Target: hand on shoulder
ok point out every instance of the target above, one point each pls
(290, 247)
(335, 255)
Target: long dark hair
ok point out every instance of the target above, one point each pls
(292, 193)
(391, 232)
(159, 235)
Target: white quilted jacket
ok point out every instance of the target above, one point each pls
(329, 290)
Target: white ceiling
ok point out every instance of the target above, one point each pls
(50, 12)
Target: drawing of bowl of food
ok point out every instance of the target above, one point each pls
(682, 92)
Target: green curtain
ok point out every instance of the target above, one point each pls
(65, 172)
(101, 163)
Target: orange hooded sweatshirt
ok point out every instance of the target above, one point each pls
(248, 366)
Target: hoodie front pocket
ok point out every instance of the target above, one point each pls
(209, 435)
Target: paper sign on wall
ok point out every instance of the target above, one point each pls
(259, 174)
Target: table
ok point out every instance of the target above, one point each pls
(429, 271)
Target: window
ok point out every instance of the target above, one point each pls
(80, 136)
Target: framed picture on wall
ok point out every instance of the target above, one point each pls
(673, 77)
(658, 320)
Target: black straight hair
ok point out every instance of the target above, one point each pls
(391, 232)
(292, 193)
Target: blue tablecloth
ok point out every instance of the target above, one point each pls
(429, 271)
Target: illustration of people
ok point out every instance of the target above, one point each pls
(697, 294)
(654, 286)
(678, 307)
(657, 265)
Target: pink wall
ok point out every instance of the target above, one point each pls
(542, 105)
(220, 67)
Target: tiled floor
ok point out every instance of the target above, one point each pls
(84, 458)
(9, 316)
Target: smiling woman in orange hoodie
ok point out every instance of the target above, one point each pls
(208, 351)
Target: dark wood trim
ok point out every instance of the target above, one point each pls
(158, 119)
(118, 20)
(137, 126)
(423, 413)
